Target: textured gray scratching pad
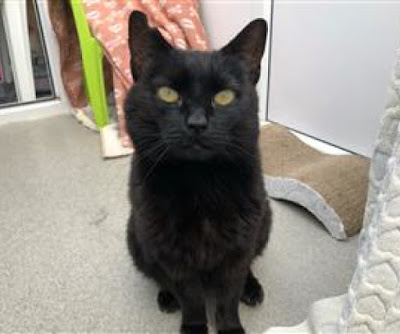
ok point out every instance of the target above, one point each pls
(332, 187)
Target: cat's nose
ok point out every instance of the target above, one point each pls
(197, 121)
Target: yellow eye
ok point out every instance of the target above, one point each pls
(224, 97)
(167, 94)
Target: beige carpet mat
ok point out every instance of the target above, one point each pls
(331, 187)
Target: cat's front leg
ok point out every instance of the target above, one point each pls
(228, 295)
(192, 300)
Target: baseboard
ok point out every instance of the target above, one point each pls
(315, 143)
(33, 111)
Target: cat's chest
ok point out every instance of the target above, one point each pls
(211, 219)
(199, 245)
(194, 222)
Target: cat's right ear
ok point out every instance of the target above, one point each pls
(145, 43)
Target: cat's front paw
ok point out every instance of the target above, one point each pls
(253, 293)
(167, 302)
(238, 330)
(194, 329)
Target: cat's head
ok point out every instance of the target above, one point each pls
(191, 105)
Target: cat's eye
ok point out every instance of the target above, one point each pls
(168, 94)
(224, 97)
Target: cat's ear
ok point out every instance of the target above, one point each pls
(249, 45)
(145, 43)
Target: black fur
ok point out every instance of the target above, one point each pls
(199, 208)
(167, 302)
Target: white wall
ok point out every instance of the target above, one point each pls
(224, 19)
(330, 68)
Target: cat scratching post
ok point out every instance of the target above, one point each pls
(332, 187)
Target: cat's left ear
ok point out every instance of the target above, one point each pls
(249, 45)
(145, 43)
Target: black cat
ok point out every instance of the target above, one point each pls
(199, 208)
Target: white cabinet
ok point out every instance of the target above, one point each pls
(330, 68)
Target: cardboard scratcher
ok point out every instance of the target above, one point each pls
(332, 187)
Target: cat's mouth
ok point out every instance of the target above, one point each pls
(195, 143)
(194, 149)
(200, 145)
